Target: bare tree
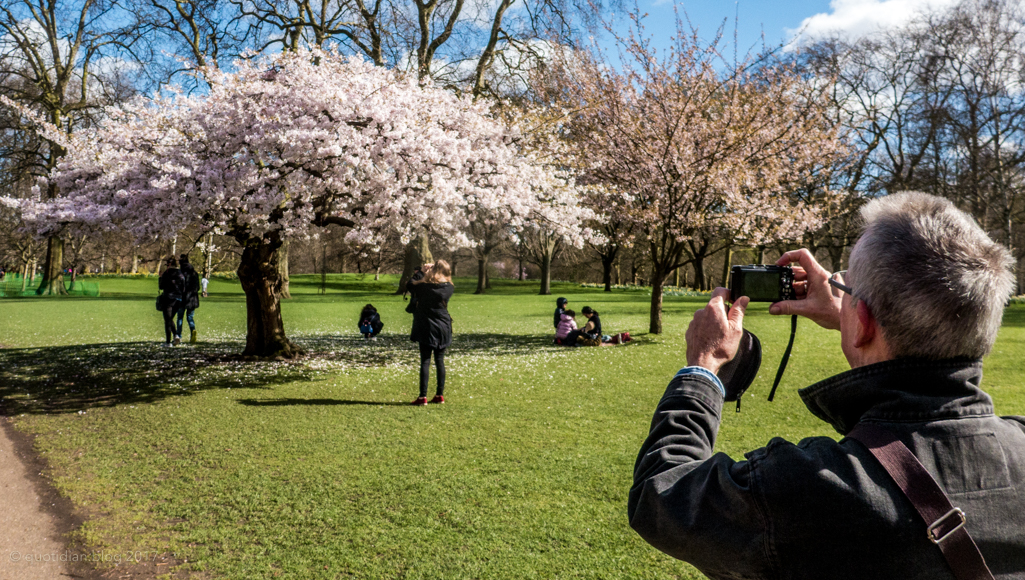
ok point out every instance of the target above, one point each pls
(50, 66)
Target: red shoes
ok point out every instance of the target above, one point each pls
(419, 402)
(438, 399)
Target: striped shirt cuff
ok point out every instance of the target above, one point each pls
(705, 373)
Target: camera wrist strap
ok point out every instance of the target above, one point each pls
(786, 356)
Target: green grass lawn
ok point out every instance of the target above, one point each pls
(318, 469)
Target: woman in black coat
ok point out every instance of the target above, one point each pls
(432, 325)
(172, 283)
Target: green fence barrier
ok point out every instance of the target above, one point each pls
(13, 286)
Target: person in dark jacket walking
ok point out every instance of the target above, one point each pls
(432, 325)
(917, 311)
(190, 297)
(172, 286)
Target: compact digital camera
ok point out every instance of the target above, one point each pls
(762, 283)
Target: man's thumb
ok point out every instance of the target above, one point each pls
(738, 309)
(783, 307)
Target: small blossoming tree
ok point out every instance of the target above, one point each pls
(695, 145)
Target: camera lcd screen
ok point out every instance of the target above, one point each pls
(761, 286)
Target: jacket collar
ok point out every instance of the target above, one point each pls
(901, 390)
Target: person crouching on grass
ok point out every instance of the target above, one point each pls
(370, 324)
(432, 325)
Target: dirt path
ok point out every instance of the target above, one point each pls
(31, 535)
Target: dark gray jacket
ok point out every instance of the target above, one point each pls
(826, 509)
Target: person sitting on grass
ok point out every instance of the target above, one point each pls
(560, 308)
(370, 324)
(567, 325)
(590, 334)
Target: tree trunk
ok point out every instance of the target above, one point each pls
(135, 263)
(24, 277)
(283, 269)
(546, 275)
(260, 275)
(482, 272)
(726, 261)
(836, 257)
(606, 272)
(53, 269)
(418, 253)
(676, 277)
(658, 278)
(699, 272)
(71, 286)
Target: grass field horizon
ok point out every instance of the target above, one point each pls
(317, 468)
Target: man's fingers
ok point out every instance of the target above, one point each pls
(736, 314)
(802, 257)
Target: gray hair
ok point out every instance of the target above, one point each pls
(935, 282)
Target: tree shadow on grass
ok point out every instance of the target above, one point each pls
(293, 402)
(68, 379)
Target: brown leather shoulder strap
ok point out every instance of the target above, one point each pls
(945, 523)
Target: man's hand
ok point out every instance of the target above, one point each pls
(815, 299)
(713, 336)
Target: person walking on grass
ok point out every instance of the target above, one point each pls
(432, 325)
(172, 284)
(190, 297)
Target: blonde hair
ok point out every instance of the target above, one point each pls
(440, 273)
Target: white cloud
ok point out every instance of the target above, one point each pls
(854, 18)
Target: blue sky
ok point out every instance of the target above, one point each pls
(754, 18)
(780, 19)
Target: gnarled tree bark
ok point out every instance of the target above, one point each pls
(260, 275)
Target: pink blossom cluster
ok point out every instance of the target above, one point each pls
(284, 146)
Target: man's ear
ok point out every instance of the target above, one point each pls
(868, 328)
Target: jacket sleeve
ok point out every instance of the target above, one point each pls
(410, 286)
(692, 504)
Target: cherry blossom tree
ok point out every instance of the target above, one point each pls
(696, 143)
(284, 147)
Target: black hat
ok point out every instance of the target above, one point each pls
(560, 301)
(184, 258)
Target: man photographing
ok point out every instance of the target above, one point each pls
(917, 311)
